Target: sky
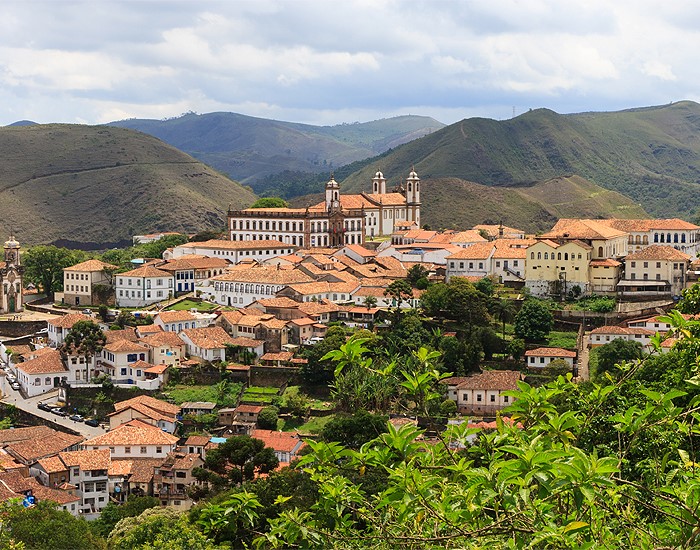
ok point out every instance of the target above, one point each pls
(329, 61)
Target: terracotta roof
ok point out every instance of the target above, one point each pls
(669, 224)
(246, 342)
(143, 330)
(119, 468)
(52, 464)
(208, 337)
(121, 346)
(470, 236)
(658, 252)
(237, 245)
(133, 433)
(156, 369)
(249, 409)
(279, 441)
(550, 352)
(87, 460)
(45, 363)
(197, 440)
(264, 275)
(17, 484)
(283, 302)
(495, 230)
(31, 450)
(277, 324)
(147, 271)
(421, 235)
(487, 380)
(605, 263)
(281, 356)
(478, 251)
(143, 469)
(151, 403)
(187, 461)
(323, 287)
(316, 308)
(611, 329)
(175, 316)
(11, 435)
(90, 265)
(127, 333)
(67, 321)
(194, 262)
(568, 228)
(170, 339)
(360, 250)
(303, 321)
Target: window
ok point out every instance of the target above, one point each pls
(465, 397)
(493, 398)
(505, 399)
(478, 397)
(646, 264)
(633, 264)
(658, 265)
(159, 449)
(143, 450)
(127, 450)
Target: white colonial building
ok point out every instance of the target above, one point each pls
(143, 286)
(337, 221)
(242, 286)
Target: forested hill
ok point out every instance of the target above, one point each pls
(249, 148)
(99, 183)
(651, 155)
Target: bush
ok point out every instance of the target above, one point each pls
(267, 419)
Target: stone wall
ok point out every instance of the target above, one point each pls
(274, 376)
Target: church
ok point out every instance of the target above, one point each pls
(337, 221)
(11, 272)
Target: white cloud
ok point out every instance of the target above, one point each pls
(329, 62)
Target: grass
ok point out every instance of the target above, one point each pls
(317, 404)
(314, 425)
(561, 339)
(260, 394)
(186, 305)
(182, 393)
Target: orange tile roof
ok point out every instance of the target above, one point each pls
(281, 356)
(147, 271)
(250, 409)
(150, 402)
(170, 339)
(669, 224)
(487, 380)
(175, 316)
(478, 251)
(194, 262)
(90, 265)
(246, 342)
(264, 275)
(127, 333)
(119, 468)
(550, 352)
(132, 433)
(279, 441)
(659, 252)
(86, 460)
(197, 440)
(12, 435)
(583, 229)
(237, 245)
(52, 464)
(148, 329)
(121, 346)
(67, 321)
(283, 302)
(47, 362)
(30, 450)
(470, 236)
(360, 250)
(605, 263)
(187, 461)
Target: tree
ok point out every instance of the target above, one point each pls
(113, 513)
(317, 371)
(270, 202)
(415, 273)
(267, 418)
(370, 302)
(44, 526)
(157, 528)
(400, 291)
(616, 352)
(503, 310)
(155, 249)
(44, 265)
(354, 430)
(298, 404)
(466, 304)
(85, 339)
(516, 348)
(690, 300)
(485, 286)
(534, 321)
(207, 235)
(245, 454)
(435, 299)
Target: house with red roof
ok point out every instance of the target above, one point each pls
(286, 445)
(143, 286)
(482, 394)
(541, 357)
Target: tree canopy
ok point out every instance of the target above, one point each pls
(270, 202)
(534, 321)
(44, 265)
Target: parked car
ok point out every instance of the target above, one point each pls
(86, 312)
(15, 385)
(92, 422)
(44, 407)
(58, 411)
(76, 418)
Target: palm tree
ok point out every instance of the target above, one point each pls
(370, 302)
(503, 310)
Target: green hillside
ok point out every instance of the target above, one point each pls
(652, 155)
(98, 183)
(249, 148)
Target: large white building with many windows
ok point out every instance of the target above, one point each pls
(337, 221)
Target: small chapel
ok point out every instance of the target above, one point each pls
(11, 271)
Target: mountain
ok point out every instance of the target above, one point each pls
(23, 123)
(455, 203)
(99, 183)
(249, 148)
(651, 155)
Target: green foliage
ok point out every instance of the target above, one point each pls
(113, 513)
(207, 235)
(485, 286)
(84, 338)
(690, 300)
(44, 264)
(318, 370)
(240, 458)
(43, 526)
(448, 408)
(270, 202)
(267, 419)
(617, 353)
(415, 273)
(181, 393)
(298, 404)
(534, 321)
(354, 430)
(158, 528)
(458, 300)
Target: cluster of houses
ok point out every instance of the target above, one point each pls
(138, 455)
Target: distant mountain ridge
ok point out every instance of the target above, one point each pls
(651, 155)
(104, 184)
(250, 148)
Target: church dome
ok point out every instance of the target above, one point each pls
(332, 183)
(379, 175)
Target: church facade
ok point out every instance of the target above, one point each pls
(11, 272)
(337, 221)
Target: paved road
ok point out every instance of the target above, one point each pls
(30, 405)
